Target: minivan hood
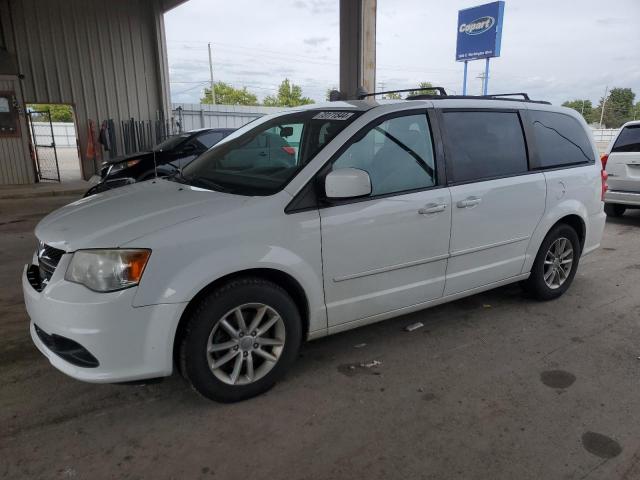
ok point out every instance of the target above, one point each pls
(116, 217)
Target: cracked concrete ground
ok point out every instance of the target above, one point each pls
(494, 386)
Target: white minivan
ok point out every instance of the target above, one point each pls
(374, 210)
(622, 161)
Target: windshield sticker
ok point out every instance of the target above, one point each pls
(333, 115)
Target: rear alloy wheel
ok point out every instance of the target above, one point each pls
(614, 209)
(555, 264)
(240, 340)
(558, 263)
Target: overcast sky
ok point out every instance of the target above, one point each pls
(550, 48)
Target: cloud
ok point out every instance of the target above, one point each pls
(315, 41)
(611, 21)
(318, 6)
(415, 42)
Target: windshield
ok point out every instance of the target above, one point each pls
(171, 143)
(263, 159)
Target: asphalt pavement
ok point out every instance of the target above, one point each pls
(494, 386)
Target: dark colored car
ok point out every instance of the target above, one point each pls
(166, 158)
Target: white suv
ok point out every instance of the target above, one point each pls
(372, 210)
(622, 161)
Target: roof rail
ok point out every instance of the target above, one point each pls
(522, 94)
(441, 92)
(503, 97)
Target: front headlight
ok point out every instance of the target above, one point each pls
(116, 167)
(107, 270)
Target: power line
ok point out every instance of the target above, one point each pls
(189, 89)
(263, 86)
(254, 51)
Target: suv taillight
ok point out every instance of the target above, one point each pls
(604, 175)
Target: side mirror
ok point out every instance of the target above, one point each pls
(188, 149)
(286, 131)
(347, 183)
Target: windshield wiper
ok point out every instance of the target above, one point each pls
(177, 176)
(197, 182)
(207, 183)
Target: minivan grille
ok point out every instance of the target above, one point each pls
(48, 259)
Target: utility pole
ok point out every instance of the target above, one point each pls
(213, 95)
(582, 111)
(482, 77)
(381, 88)
(604, 103)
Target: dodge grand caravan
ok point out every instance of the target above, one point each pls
(377, 209)
(622, 161)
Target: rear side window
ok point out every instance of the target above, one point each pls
(483, 145)
(560, 140)
(628, 140)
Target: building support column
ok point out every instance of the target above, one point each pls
(162, 60)
(357, 46)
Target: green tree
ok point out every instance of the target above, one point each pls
(618, 107)
(423, 92)
(393, 96)
(59, 112)
(228, 95)
(584, 107)
(289, 95)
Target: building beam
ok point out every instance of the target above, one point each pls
(357, 46)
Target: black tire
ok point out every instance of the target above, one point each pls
(194, 359)
(535, 285)
(614, 209)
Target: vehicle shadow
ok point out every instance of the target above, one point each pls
(630, 218)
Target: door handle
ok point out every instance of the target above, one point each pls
(432, 208)
(468, 202)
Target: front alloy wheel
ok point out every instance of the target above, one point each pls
(246, 343)
(240, 339)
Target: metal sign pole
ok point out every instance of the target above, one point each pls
(485, 84)
(464, 78)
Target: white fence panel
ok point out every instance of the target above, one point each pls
(64, 133)
(604, 135)
(195, 115)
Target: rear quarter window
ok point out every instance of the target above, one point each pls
(628, 140)
(560, 140)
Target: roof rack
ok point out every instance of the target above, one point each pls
(441, 92)
(524, 95)
(496, 96)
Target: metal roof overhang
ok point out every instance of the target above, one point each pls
(167, 5)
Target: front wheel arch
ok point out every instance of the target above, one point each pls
(284, 280)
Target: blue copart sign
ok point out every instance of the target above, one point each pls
(479, 31)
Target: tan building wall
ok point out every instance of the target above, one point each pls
(107, 59)
(15, 162)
